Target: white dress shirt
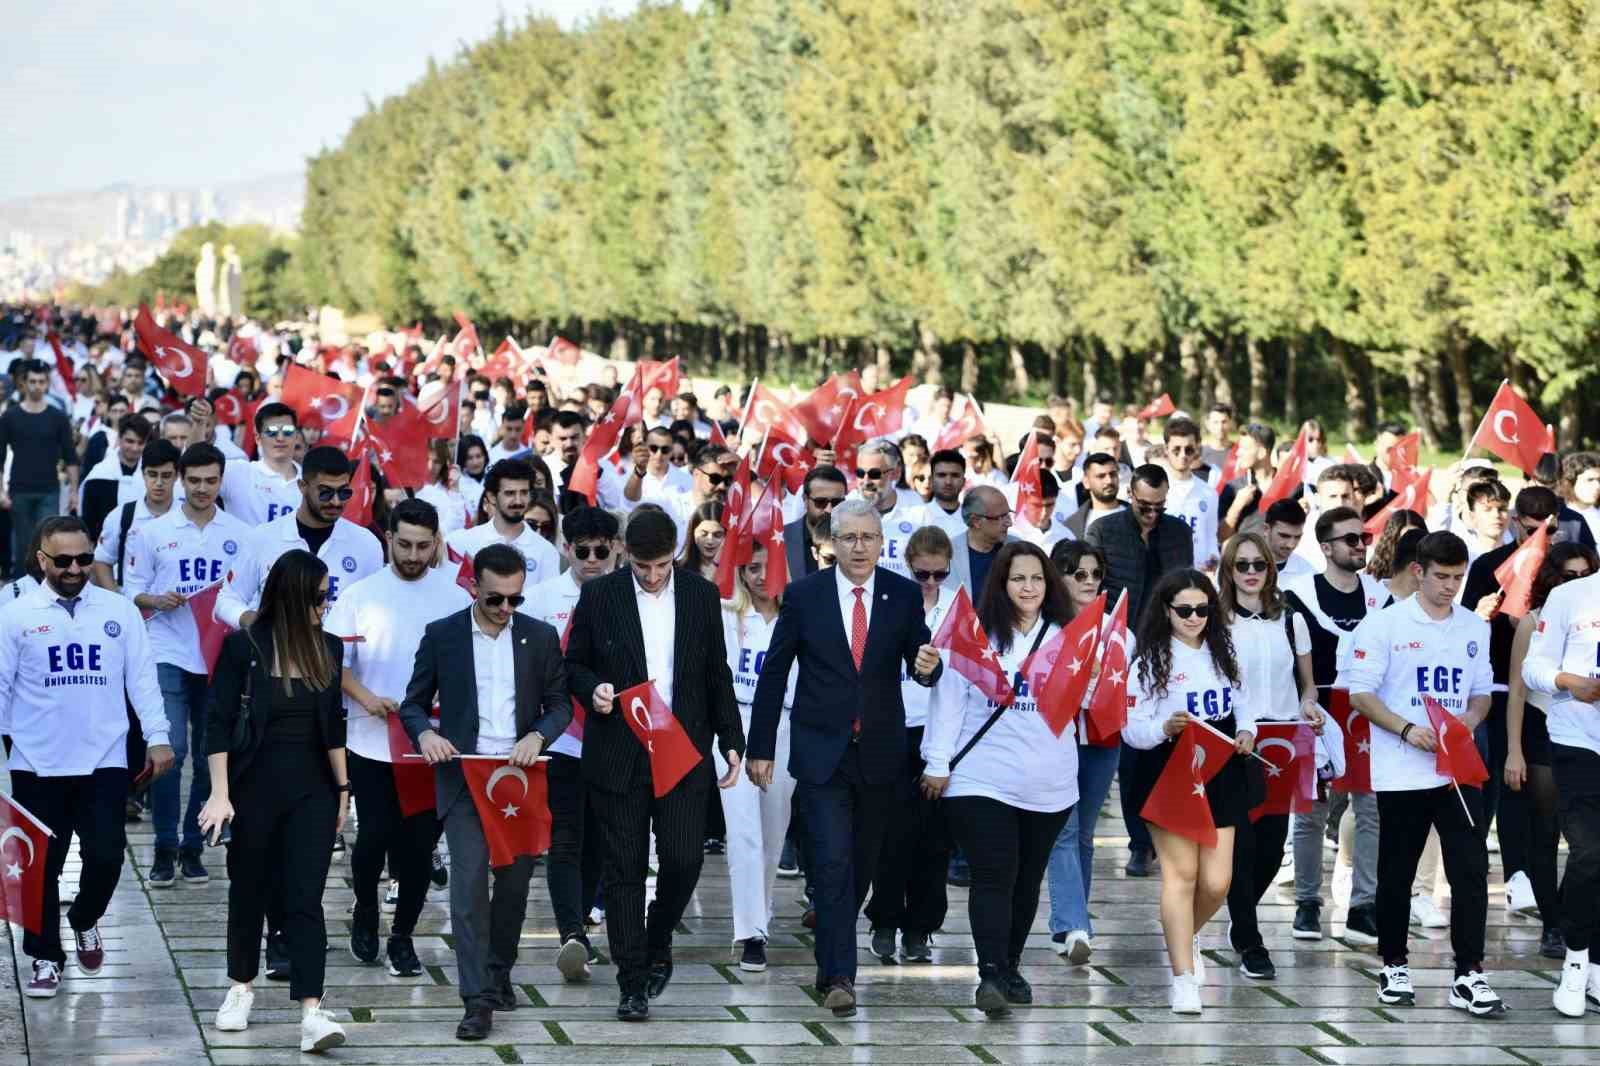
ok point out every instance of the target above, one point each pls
(847, 600)
(495, 672)
(658, 620)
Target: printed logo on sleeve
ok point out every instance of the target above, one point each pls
(349, 564)
(113, 630)
(1472, 649)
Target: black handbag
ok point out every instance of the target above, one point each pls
(243, 727)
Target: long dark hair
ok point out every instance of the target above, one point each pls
(995, 609)
(1155, 631)
(692, 559)
(1381, 563)
(1550, 575)
(1227, 581)
(288, 603)
(470, 441)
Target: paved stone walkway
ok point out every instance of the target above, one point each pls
(164, 977)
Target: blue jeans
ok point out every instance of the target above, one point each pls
(1072, 859)
(28, 509)
(185, 697)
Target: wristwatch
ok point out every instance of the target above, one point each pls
(344, 787)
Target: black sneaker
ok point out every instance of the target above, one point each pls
(917, 947)
(364, 935)
(1256, 963)
(1139, 862)
(715, 846)
(1016, 987)
(883, 944)
(754, 957)
(194, 871)
(403, 961)
(991, 994)
(789, 861)
(277, 957)
(1361, 926)
(1308, 920)
(164, 871)
(959, 874)
(1553, 944)
(440, 875)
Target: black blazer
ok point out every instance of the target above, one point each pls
(830, 692)
(444, 671)
(239, 658)
(606, 645)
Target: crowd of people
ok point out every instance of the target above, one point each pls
(838, 739)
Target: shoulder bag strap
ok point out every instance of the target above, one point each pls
(124, 524)
(998, 711)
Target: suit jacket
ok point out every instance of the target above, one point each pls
(606, 646)
(797, 549)
(445, 673)
(1126, 568)
(830, 693)
(1078, 521)
(241, 662)
(961, 564)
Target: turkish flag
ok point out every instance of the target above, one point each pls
(401, 447)
(1457, 755)
(63, 364)
(466, 574)
(466, 346)
(435, 357)
(413, 778)
(1290, 749)
(24, 850)
(1058, 673)
(358, 508)
(780, 455)
(229, 409)
(203, 605)
(242, 350)
(603, 437)
(1511, 429)
(1160, 407)
(672, 753)
(1230, 469)
(963, 429)
(736, 517)
(320, 400)
(1289, 476)
(766, 531)
(1411, 494)
(1357, 744)
(971, 655)
(717, 437)
(504, 363)
(824, 409)
(766, 412)
(1405, 452)
(183, 365)
(442, 413)
(579, 715)
(1516, 574)
(1030, 492)
(563, 351)
(513, 805)
(876, 415)
(1178, 802)
(1108, 709)
(665, 376)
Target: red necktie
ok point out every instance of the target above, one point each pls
(858, 628)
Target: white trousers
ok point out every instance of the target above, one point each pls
(757, 822)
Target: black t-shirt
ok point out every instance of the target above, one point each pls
(314, 538)
(1345, 610)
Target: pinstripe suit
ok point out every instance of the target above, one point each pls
(607, 646)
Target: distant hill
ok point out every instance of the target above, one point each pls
(90, 215)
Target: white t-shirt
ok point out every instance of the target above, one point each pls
(949, 521)
(1267, 663)
(453, 509)
(1195, 502)
(538, 554)
(388, 615)
(898, 525)
(172, 554)
(1195, 687)
(553, 602)
(351, 553)
(1401, 654)
(747, 639)
(1567, 640)
(252, 493)
(914, 696)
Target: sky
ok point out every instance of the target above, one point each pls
(197, 92)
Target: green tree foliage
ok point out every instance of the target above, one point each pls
(1356, 209)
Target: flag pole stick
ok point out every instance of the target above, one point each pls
(466, 756)
(1457, 786)
(749, 401)
(1207, 725)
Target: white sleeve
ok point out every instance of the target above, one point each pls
(341, 623)
(1302, 633)
(9, 647)
(139, 676)
(1483, 671)
(238, 593)
(946, 707)
(1369, 656)
(1144, 727)
(1548, 646)
(138, 567)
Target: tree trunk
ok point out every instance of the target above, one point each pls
(1258, 380)
(969, 367)
(1418, 401)
(719, 337)
(1438, 408)
(1357, 420)
(1291, 371)
(1466, 413)
(1019, 372)
(1152, 381)
(1091, 375)
(925, 362)
(1221, 362)
(747, 353)
(1058, 370)
(885, 357)
(1190, 374)
(1516, 372)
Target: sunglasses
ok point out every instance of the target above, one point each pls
(1574, 575)
(545, 529)
(328, 495)
(1352, 540)
(278, 433)
(319, 599)
(870, 475)
(64, 562)
(1150, 508)
(1187, 611)
(584, 551)
(659, 449)
(824, 503)
(386, 392)
(495, 599)
(480, 396)
(930, 575)
(716, 477)
(1087, 575)
(1250, 566)
(1184, 450)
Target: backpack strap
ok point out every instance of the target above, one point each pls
(124, 524)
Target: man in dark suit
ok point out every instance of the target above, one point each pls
(852, 628)
(1101, 486)
(501, 686)
(649, 622)
(824, 487)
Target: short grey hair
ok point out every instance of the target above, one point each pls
(888, 449)
(854, 508)
(973, 505)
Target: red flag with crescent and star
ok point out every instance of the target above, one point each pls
(971, 654)
(672, 753)
(400, 445)
(779, 454)
(1160, 407)
(1288, 477)
(824, 409)
(769, 412)
(320, 400)
(968, 425)
(1410, 494)
(766, 531)
(1290, 749)
(24, 852)
(413, 778)
(1457, 756)
(1357, 744)
(736, 516)
(1108, 708)
(181, 364)
(203, 605)
(1178, 801)
(1516, 574)
(513, 806)
(877, 414)
(1512, 430)
(358, 508)
(442, 412)
(1058, 673)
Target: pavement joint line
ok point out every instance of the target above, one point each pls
(557, 1034)
(507, 1053)
(1332, 1030)
(739, 1054)
(1545, 975)
(1315, 1055)
(820, 1031)
(437, 973)
(1276, 996)
(1385, 1015)
(361, 1014)
(956, 1014)
(1514, 1053)
(533, 994)
(983, 1053)
(1109, 976)
(1126, 1014)
(1110, 1034)
(727, 973)
(738, 1015)
(12, 953)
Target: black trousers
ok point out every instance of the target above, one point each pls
(1257, 855)
(93, 806)
(285, 810)
(572, 870)
(909, 887)
(1138, 832)
(1404, 819)
(385, 834)
(625, 821)
(1577, 773)
(1008, 849)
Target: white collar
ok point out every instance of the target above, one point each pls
(664, 594)
(846, 585)
(477, 628)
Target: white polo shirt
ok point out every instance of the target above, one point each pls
(1567, 640)
(538, 554)
(350, 551)
(173, 554)
(252, 493)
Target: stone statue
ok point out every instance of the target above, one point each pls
(229, 301)
(205, 280)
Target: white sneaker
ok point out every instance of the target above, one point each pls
(1426, 914)
(234, 1014)
(1185, 994)
(1079, 947)
(1569, 998)
(1394, 986)
(1473, 995)
(1519, 896)
(318, 1031)
(1199, 962)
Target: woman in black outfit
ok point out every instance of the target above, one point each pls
(276, 746)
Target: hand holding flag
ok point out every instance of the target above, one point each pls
(1058, 673)
(971, 654)
(672, 753)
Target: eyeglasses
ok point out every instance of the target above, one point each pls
(495, 599)
(64, 562)
(1187, 611)
(659, 449)
(716, 477)
(1250, 566)
(1001, 517)
(1087, 575)
(319, 599)
(1184, 449)
(1352, 540)
(849, 540)
(278, 432)
(583, 552)
(930, 575)
(327, 495)
(870, 475)
(824, 503)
